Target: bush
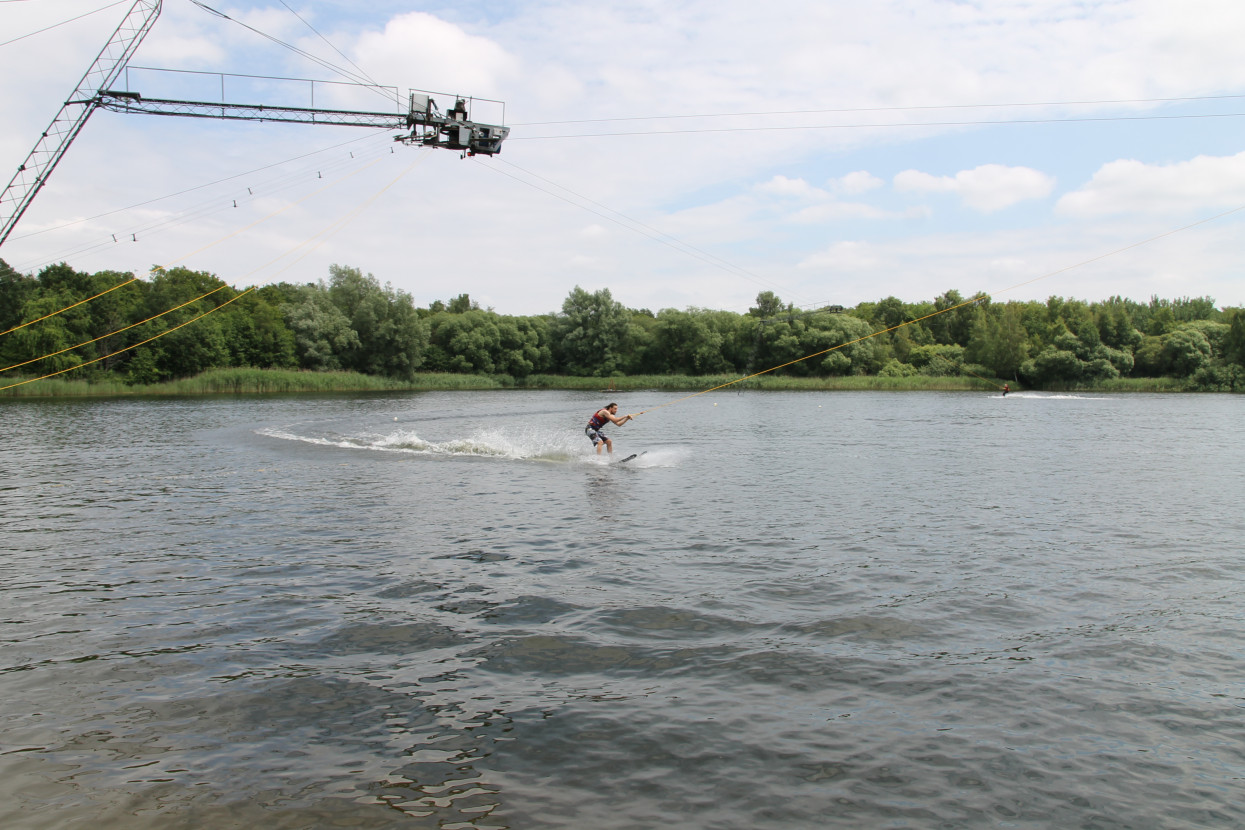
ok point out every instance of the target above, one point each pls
(894, 369)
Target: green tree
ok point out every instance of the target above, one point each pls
(485, 342)
(1053, 366)
(171, 287)
(524, 346)
(954, 324)
(112, 312)
(894, 369)
(1191, 309)
(257, 334)
(462, 304)
(890, 313)
(1162, 319)
(998, 339)
(688, 342)
(322, 332)
(1115, 325)
(1234, 340)
(855, 352)
(389, 335)
(41, 341)
(937, 361)
(142, 368)
(768, 305)
(179, 295)
(592, 333)
(192, 349)
(1185, 351)
(777, 342)
(15, 290)
(466, 342)
(1148, 360)
(1216, 334)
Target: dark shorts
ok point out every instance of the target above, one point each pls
(596, 435)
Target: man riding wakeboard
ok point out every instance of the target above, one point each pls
(606, 415)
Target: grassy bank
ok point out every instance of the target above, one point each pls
(277, 381)
(694, 383)
(248, 382)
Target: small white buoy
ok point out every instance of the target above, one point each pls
(395, 417)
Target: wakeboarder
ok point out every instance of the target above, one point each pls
(606, 415)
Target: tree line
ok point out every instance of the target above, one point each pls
(352, 322)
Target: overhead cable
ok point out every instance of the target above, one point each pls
(911, 108)
(361, 79)
(62, 23)
(882, 125)
(204, 209)
(331, 46)
(192, 189)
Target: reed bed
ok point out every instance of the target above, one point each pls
(698, 383)
(248, 382)
(1130, 385)
(279, 381)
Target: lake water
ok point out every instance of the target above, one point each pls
(804, 610)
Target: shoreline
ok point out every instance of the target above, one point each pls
(279, 381)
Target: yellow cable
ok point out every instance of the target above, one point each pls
(340, 223)
(118, 331)
(171, 262)
(66, 308)
(135, 346)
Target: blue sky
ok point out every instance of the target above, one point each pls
(679, 153)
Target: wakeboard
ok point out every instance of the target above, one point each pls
(631, 457)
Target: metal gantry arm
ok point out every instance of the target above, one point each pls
(132, 102)
(452, 130)
(427, 126)
(34, 172)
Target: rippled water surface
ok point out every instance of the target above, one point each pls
(792, 611)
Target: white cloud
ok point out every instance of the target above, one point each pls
(487, 227)
(783, 186)
(861, 181)
(914, 181)
(177, 51)
(837, 211)
(987, 188)
(848, 256)
(825, 207)
(1129, 186)
(433, 54)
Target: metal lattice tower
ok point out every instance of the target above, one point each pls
(34, 172)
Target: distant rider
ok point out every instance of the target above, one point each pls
(607, 415)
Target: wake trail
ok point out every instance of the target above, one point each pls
(551, 446)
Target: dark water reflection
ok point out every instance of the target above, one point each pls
(795, 610)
